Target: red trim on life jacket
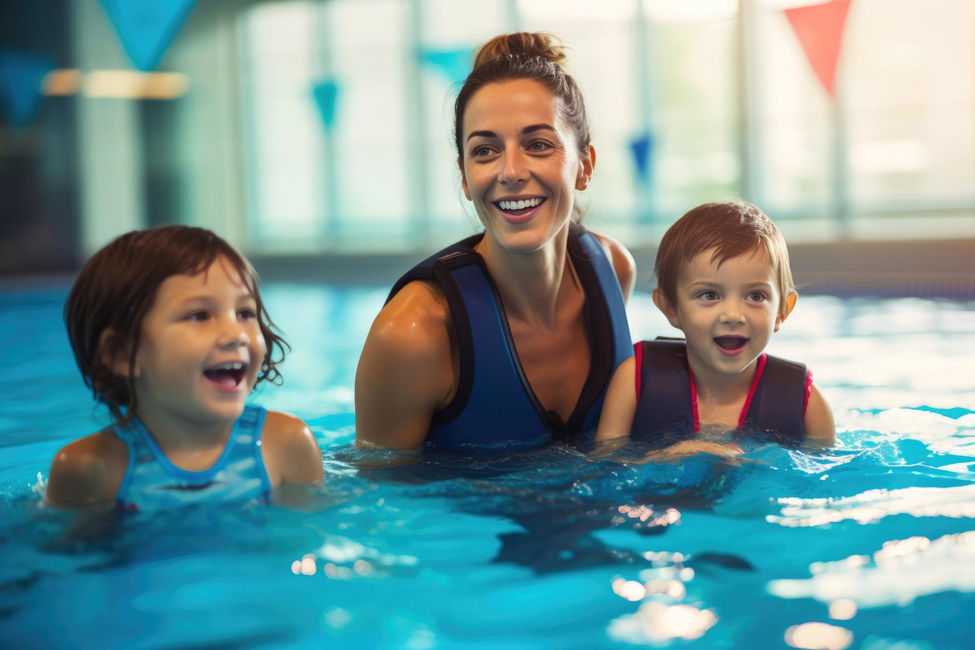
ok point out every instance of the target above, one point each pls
(638, 355)
(751, 391)
(805, 402)
(697, 418)
(748, 400)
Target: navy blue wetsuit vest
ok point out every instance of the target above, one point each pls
(495, 406)
(665, 403)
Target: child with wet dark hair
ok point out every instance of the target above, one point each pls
(170, 333)
(723, 278)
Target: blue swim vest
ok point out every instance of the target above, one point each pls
(495, 406)
(152, 482)
(665, 404)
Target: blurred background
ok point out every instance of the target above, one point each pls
(316, 134)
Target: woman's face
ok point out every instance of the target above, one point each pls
(520, 166)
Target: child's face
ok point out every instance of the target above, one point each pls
(727, 313)
(201, 348)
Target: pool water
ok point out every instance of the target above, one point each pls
(867, 545)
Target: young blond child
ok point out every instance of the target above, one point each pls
(169, 331)
(723, 279)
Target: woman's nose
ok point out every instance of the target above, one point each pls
(513, 169)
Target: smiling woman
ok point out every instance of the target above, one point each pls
(506, 339)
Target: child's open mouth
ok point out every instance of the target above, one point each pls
(227, 375)
(730, 345)
(519, 210)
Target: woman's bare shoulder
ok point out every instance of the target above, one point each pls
(418, 315)
(88, 471)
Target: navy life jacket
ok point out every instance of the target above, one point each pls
(495, 406)
(665, 403)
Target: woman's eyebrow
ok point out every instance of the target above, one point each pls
(483, 134)
(527, 129)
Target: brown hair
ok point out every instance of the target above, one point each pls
(523, 55)
(116, 289)
(732, 229)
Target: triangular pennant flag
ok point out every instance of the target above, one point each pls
(453, 65)
(325, 93)
(147, 27)
(21, 79)
(640, 147)
(819, 29)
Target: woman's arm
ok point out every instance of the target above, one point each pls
(620, 404)
(623, 263)
(406, 371)
(818, 423)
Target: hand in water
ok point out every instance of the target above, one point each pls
(688, 448)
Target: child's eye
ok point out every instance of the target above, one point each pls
(756, 296)
(247, 313)
(709, 295)
(199, 316)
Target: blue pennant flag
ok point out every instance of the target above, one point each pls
(641, 147)
(21, 79)
(325, 93)
(453, 65)
(147, 27)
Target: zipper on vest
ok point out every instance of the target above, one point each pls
(554, 423)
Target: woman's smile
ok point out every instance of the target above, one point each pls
(518, 167)
(519, 209)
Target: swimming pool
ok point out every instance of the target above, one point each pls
(868, 545)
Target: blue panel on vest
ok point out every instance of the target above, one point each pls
(641, 147)
(147, 27)
(453, 65)
(497, 386)
(21, 79)
(325, 93)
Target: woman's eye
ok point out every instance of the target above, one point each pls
(482, 151)
(539, 145)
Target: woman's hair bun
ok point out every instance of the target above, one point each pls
(531, 44)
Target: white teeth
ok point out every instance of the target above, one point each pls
(228, 366)
(519, 205)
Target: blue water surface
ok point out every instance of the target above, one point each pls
(867, 545)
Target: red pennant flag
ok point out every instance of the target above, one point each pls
(820, 32)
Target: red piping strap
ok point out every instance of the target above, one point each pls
(751, 391)
(805, 403)
(697, 418)
(638, 354)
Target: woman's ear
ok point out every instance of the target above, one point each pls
(463, 178)
(790, 304)
(586, 164)
(660, 300)
(114, 355)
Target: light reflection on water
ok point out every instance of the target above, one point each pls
(548, 549)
